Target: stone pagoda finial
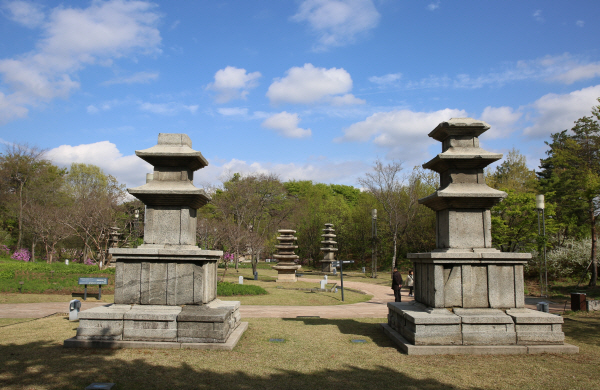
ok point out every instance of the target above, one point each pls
(463, 200)
(329, 248)
(169, 194)
(286, 268)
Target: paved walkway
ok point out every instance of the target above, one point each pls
(375, 308)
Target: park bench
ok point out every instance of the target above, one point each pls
(93, 281)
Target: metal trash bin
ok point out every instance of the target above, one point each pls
(74, 307)
(578, 301)
(543, 307)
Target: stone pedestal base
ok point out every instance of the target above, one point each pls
(473, 279)
(419, 325)
(211, 323)
(286, 273)
(326, 266)
(181, 275)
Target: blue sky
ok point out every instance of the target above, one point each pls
(308, 89)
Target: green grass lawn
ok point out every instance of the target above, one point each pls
(316, 353)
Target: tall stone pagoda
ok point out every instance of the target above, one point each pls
(166, 289)
(286, 266)
(329, 248)
(467, 293)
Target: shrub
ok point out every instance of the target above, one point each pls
(4, 250)
(21, 254)
(568, 260)
(89, 262)
(227, 289)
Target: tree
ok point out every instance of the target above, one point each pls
(96, 198)
(250, 208)
(513, 174)
(398, 200)
(20, 165)
(571, 176)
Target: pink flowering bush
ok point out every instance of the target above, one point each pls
(21, 254)
(228, 257)
(89, 262)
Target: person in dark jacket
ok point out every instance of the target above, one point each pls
(397, 285)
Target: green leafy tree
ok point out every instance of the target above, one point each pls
(571, 176)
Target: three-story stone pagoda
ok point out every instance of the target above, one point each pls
(166, 289)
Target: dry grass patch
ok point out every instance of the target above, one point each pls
(317, 353)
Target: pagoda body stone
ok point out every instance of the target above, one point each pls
(286, 266)
(329, 248)
(467, 293)
(166, 289)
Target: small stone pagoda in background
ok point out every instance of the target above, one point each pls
(467, 293)
(286, 266)
(166, 289)
(329, 248)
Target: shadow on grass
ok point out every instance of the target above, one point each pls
(41, 364)
(369, 331)
(583, 327)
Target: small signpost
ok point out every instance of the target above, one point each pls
(339, 263)
(94, 281)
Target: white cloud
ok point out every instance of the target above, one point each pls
(26, 13)
(433, 6)
(9, 110)
(582, 72)
(136, 78)
(403, 133)
(233, 83)
(167, 108)
(537, 16)
(580, 23)
(346, 100)
(286, 124)
(337, 22)
(308, 84)
(390, 78)
(72, 39)
(556, 112)
(130, 170)
(233, 111)
(320, 170)
(501, 120)
(564, 68)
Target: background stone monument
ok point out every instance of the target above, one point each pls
(286, 267)
(166, 289)
(469, 296)
(329, 248)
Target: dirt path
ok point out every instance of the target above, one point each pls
(374, 308)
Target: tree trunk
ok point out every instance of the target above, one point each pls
(594, 277)
(20, 215)
(33, 249)
(395, 251)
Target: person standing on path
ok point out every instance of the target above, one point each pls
(397, 285)
(410, 283)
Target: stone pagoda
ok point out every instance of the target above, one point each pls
(166, 289)
(286, 267)
(329, 248)
(467, 293)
